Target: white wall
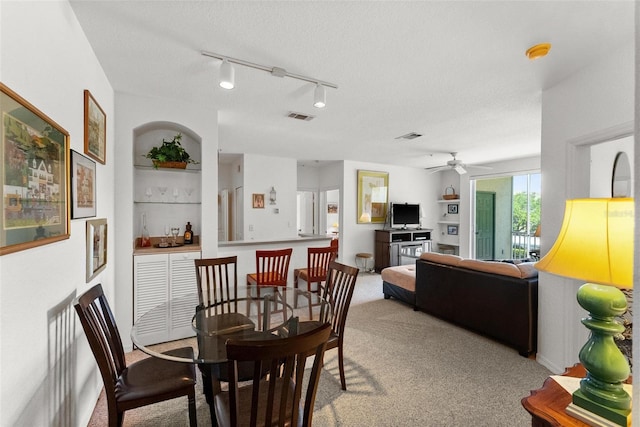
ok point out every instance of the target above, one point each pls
(591, 106)
(260, 174)
(47, 60)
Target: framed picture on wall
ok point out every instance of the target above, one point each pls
(452, 208)
(95, 129)
(35, 176)
(83, 186)
(332, 208)
(372, 196)
(258, 201)
(452, 229)
(96, 247)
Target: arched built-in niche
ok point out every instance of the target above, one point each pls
(166, 197)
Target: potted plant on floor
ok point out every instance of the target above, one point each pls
(170, 154)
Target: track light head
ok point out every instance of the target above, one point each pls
(319, 96)
(227, 75)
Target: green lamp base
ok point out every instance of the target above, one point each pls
(621, 417)
(601, 392)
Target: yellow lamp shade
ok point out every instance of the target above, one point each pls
(595, 243)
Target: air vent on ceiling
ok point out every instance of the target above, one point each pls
(410, 135)
(300, 116)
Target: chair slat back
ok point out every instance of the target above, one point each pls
(272, 267)
(217, 280)
(318, 260)
(338, 290)
(285, 359)
(101, 330)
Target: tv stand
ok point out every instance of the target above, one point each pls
(400, 246)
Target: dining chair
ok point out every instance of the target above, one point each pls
(272, 269)
(217, 281)
(315, 272)
(338, 291)
(274, 399)
(142, 383)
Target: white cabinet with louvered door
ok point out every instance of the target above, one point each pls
(157, 279)
(183, 281)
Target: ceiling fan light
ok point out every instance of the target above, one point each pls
(319, 96)
(460, 169)
(227, 75)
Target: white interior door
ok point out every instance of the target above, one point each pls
(307, 218)
(238, 215)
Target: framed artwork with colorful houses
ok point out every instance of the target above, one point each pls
(34, 156)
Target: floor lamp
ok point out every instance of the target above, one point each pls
(595, 244)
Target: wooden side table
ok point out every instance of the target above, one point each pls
(547, 404)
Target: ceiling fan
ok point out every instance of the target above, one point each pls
(456, 165)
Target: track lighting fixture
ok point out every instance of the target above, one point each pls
(319, 96)
(227, 76)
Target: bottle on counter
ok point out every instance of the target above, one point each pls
(188, 234)
(145, 240)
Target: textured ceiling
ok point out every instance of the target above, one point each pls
(453, 71)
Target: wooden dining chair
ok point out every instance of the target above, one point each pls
(338, 291)
(217, 281)
(274, 399)
(315, 272)
(142, 383)
(272, 269)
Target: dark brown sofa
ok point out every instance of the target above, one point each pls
(496, 299)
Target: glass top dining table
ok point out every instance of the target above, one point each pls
(253, 314)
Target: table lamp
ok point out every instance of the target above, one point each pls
(595, 244)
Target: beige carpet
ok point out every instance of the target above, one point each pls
(404, 368)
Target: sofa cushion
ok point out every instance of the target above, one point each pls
(403, 276)
(441, 258)
(521, 271)
(494, 267)
(527, 269)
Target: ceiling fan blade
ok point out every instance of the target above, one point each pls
(478, 167)
(438, 169)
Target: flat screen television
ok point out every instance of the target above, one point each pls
(405, 215)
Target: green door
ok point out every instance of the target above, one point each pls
(485, 224)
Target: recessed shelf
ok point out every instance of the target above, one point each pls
(449, 201)
(167, 202)
(151, 168)
(449, 222)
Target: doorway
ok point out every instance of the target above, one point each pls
(507, 225)
(307, 216)
(485, 224)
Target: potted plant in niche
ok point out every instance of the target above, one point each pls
(170, 154)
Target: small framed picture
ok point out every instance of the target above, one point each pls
(452, 229)
(83, 186)
(96, 247)
(452, 208)
(95, 129)
(258, 201)
(332, 208)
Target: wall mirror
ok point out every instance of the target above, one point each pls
(621, 176)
